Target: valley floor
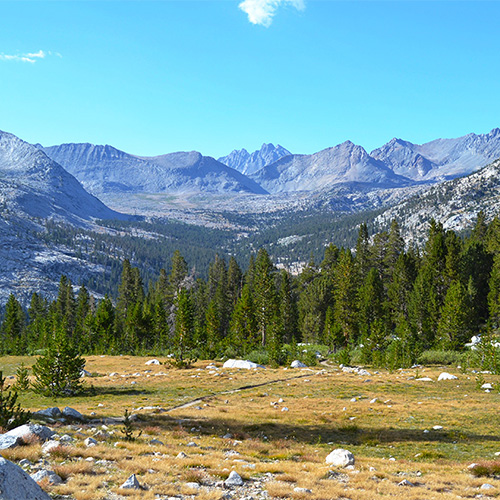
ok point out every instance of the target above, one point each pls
(274, 427)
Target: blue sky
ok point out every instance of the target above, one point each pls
(162, 76)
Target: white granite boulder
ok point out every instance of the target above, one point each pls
(28, 432)
(298, 364)
(131, 484)
(48, 475)
(446, 376)
(15, 484)
(234, 479)
(152, 362)
(7, 442)
(240, 363)
(340, 458)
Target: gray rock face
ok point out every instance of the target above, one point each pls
(28, 432)
(104, 170)
(340, 458)
(15, 484)
(345, 163)
(248, 164)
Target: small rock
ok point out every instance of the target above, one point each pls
(157, 442)
(424, 379)
(340, 458)
(446, 376)
(301, 490)
(373, 401)
(47, 475)
(297, 364)
(487, 386)
(487, 486)
(90, 442)
(234, 479)
(284, 408)
(25, 463)
(131, 484)
(192, 445)
(405, 482)
(194, 486)
(437, 427)
(181, 455)
(152, 362)
(50, 446)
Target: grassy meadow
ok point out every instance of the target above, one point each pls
(275, 427)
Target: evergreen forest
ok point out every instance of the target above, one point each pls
(379, 303)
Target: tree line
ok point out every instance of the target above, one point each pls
(382, 301)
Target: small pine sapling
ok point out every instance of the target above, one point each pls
(128, 428)
(23, 382)
(11, 413)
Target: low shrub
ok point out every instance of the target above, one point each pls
(432, 357)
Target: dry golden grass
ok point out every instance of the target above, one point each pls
(327, 409)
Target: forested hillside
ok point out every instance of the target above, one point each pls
(382, 303)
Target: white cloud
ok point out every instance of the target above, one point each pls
(30, 57)
(263, 11)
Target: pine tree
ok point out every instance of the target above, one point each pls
(264, 294)
(12, 329)
(58, 372)
(178, 272)
(11, 413)
(183, 340)
(243, 323)
(454, 328)
(345, 296)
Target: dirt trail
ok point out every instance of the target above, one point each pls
(243, 388)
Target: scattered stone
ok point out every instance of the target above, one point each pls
(25, 463)
(340, 458)
(446, 376)
(28, 432)
(373, 401)
(46, 475)
(181, 455)
(54, 412)
(487, 386)
(85, 373)
(424, 379)
(234, 479)
(114, 374)
(192, 445)
(15, 484)
(90, 442)
(66, 438)
(152, 362)
(131, 484)
(227, 436)
(72, 413)
(405, 482)
(437, 427)
(284, 408)
(193, 486)
(298, 364)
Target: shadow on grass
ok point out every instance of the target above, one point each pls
(313, 434)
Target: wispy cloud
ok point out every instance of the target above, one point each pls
(29, 57)
(262, 11)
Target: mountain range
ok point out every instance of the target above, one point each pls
(445, 179)
(105, 170)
